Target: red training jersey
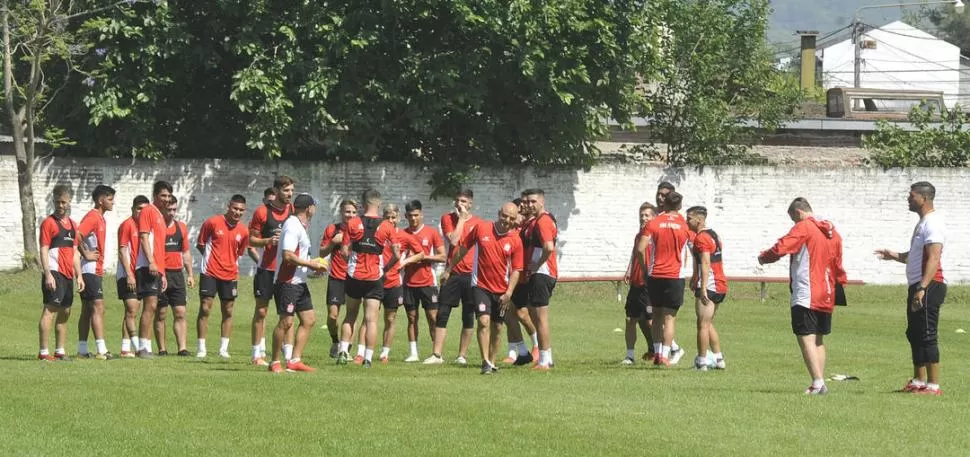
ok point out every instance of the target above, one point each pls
(176, 243)
(150, 221)
(421, 274)
(638, 278)
(708, 241)
(669, 236)
(266, 220)
(338, 264)
(367, 237)
(497, 256)
(405, 243)
(91, 232)
(60, 236)
(223, 244)
(816, 263)
(535, 233)
(128, 240)
(448, 223)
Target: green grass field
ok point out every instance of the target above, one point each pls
(587, 405)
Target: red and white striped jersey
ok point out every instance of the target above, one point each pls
(60, 236)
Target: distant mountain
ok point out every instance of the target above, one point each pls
(826, 16)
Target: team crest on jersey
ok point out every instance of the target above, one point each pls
(238, 238)
(482, 307)
(507, 247)
(424, 242)
(486, 238)
(219, 232)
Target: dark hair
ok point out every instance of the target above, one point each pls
(269, 191)
(925, 189)
(413, 205)
(801, 204)
(282, 181)
(673, 201)
(467, 193)
(533, 191)
(517, 201)
(666, 185)
(139, 200)
(62, 189)
(101, 190)
(172, 201)
(698, 210)
(237, 199)
(370, 195)
(160, 186)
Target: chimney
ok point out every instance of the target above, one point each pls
(808, 59)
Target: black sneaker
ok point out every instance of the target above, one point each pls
(367, 363)
(494, 368)
(162, 353)
(486, 367)
(183, 353)
(523, 360)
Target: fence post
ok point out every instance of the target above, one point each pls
(764, 291)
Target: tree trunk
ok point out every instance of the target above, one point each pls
(25, 180)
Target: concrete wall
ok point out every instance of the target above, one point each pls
(597, 210)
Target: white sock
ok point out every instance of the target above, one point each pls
(344, 346)
(674, 347)
(101, 346)
(360, 350)
(523, 350)
(126, 345)
(60, 351)
(535, 339)
(202, 345)
(135, 344)
(665, 352)
(146, 345)
(385, 352)
(262, 346)
(368, 355)
(257, 351)
(716, 355)
(288, 352)
(918, 383)
(223, 344)
(629, 354)
(545, 357)
(816, 383)
(413, 347)
(701, 360)
(932, 386)
(44, 351)
(82, 347)
(657, 348)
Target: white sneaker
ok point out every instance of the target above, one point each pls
(461, 361)
(201, 354)
(675, 356)
(224, 354)
(719, 364)
(627, 361)
(434, 360)
(413, 358)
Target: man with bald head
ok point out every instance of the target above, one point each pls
(498, 265)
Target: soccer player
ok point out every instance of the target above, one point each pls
(364, 246)
(411, 251)
(455, 225)
(290, 290)
(638, 309)
(61, 263)
(91, 244)
(336, 281)
(710, 287)
(927, 289)
(519, 353)
(128, 246)
(254, 253)
(664, 188)
(542, 270)
(421, 283)
(222, 240)
(816, 267)
(150, 272)
(497, 266)
(667, 236)
(264, 232)
(178, 257)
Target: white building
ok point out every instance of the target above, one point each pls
(897, 56)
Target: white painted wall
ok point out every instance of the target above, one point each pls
(905, 58)
(597, 210)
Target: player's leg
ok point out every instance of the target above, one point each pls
(60, 331)
(354, 298)
(336, 296)
(227, 305)
(181, 328)
(705, 312)
(429, 301)
(44, 330)
(202, 323)
(307, 319)
(496, 322)
(390, 320)
(160, 315)
(262, 293)
(149, 286)
(525, 318)
(129, 328)
(97, 327)
(84, 327)
(372, 311)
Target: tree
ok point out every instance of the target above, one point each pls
(936, 140)
(717, 90)
(951, 26)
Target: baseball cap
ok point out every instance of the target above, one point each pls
(303, 201)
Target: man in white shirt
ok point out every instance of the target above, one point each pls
(927, 289)
(290, 292)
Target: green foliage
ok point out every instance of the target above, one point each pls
(951, 26)
(939, 140)
(715, 81)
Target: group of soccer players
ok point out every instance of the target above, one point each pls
(501, 272)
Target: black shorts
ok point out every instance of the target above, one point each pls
(488, 303)
(63, 293)
(149, 285)
(520, 295)
(176, 294)
(458, 288)
(638, 303)
(666, 293)
(93, 287)
(361, 290)
(263, 288)
(540, 289)
(805, 321)
(125, 294)
(714, 296)
(210, 287)
(336, 291)
(424, 296)
(393, 298)
(292, 298)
